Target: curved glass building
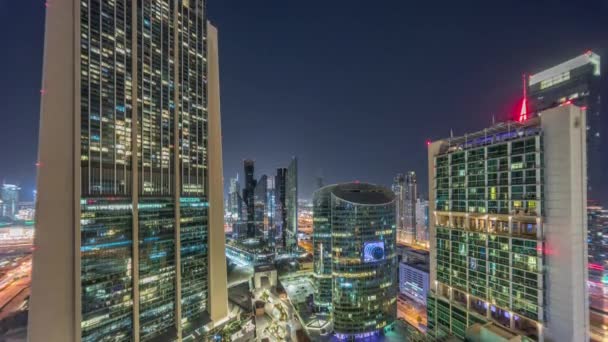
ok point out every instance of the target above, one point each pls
(354, 257)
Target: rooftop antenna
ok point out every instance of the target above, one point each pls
(493, 120)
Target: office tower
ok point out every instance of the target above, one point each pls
(10, 200)
(248, 193)
(577, 81)
(260, 201)
(422, 220)
(508, 230)
(281, 207)
(129, 237)
(411, 195)
(398, 188)
(234, 199)
(355, 263)
(291, 204)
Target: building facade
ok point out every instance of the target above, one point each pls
(502, 201)
(130, 202)
(414, 281)
(355, 260)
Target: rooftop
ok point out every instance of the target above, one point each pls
(363, 193)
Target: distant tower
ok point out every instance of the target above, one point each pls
(260, 202)
(10, 200)
(281, 206)
(291, 202)
(248, 194)
(399, 190)
(409, 204)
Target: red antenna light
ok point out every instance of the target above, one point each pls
(523, 114)
(428, 142)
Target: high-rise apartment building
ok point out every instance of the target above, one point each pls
(129, 238)
(248, 194)
(10, 200)
(355, 260)
(291, 204)
(508, 229)
(575, 81)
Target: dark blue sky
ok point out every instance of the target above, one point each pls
(353, 88)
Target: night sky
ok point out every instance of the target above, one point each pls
(352, 88)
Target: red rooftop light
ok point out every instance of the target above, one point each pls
(523, 114)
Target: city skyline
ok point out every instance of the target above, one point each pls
(369, 172)
(480, 79)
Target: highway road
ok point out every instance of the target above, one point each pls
(14, 286)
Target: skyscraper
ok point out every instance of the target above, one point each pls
(405, 190)
(291, 203)
(411, 194)
(597, 220)
(248, 193)
(10, 200)
(234, 199)
(398, 188)
(270, 212)
(577, 81)
(422, 220)
(355, 265)
(508, 230)
(130, 154)
(260, 202)
(281, 207)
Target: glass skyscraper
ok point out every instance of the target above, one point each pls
(291, 206)
(355, 263)
(131, 101)
(575, 81)
(9, 199)
(248, 197)
(508, 230)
